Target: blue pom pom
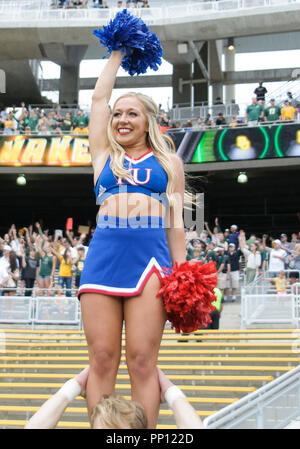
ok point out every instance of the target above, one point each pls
(131, 35)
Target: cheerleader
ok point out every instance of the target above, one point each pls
(139, 186)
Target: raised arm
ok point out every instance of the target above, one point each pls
(207, 228)
(69, 235)
(100, 111)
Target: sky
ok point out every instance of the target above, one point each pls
(243, 61)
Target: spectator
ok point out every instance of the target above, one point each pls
(65, 269)
(220, 120)
(253, 113)
(219, 258)
(276, 257)
(80, 119)
(9, 272)
(80, 130)
(208, 122)
(191, 233)
(287, 112)
(272, 113)
(163, 119)
(198, 255)
(66, 123)
(27, 131)
(30, 265)
(234, 256)
(44, 131)
(285, 244)
(43, 124)
(234, 235)
(79, 262)
(294, 264)
(69, 5)
(263, 255)
(280, 282)
(9, 126)
(218, 101)
(119, 4)
(234, 108)
(233, 123)
(52, 120)
(293, 102)
(46, 267)
(4, 114)
(97, 3)
(188, 126)
(215, 315)
(253, 258)
(80, 4)
(199, 124)
(32, 121)
(204, 237)
(260, 92)
(224, 273)
(226, 235)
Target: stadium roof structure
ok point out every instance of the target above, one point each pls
(32, 30)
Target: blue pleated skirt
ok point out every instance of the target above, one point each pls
(123, 254)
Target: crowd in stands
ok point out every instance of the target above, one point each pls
(33, 260)
(73, 4)
(59, 120)
(235, 254)
(30, 121)
(257, 113)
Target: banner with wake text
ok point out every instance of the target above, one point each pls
(194, 147)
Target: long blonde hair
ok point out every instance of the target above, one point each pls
(115, 412)
(155, 140)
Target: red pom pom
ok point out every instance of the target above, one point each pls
(187, 293)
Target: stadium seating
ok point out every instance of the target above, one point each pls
(213, 368)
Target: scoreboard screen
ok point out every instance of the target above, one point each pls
(237, 144)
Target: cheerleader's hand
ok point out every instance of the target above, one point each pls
(164, 383)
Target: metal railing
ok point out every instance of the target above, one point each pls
(259, 305)
(272, 406)
(182, 114)
(40, 310)
(39, 11)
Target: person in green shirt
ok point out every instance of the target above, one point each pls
(198, 255)
(80, 119)
(32, 121)
(254, 112)
(46, 269)
(211, 254)
(273, 112)
(67, 122)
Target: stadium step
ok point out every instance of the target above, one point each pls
(213, 368)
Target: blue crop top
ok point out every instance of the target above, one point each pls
(149, 178)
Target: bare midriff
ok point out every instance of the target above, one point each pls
(127, 205)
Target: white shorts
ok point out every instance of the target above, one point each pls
(234, 279)
(222, 281)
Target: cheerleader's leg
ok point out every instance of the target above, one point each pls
(102, 318)
(144, 321)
